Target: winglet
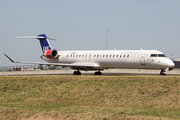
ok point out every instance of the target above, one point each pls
(10, 58)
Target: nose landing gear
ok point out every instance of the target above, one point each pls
(162, 72)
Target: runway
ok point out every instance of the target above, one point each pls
(109, 72)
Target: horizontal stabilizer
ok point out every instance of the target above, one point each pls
(34, 37)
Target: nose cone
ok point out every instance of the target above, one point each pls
(171, 64)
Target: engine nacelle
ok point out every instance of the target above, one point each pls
(51, 53)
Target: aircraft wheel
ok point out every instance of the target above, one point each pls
(76, 73)
(100, 73)
(97, 73)
(79, 73)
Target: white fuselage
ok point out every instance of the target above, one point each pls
(100, 59)
(104, 59)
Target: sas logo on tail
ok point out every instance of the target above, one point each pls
(45, 48)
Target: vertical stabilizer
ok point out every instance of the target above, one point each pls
(45, 45)
(43, 41)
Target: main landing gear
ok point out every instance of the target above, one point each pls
(162, 72)
(77, 72)
(98, 73)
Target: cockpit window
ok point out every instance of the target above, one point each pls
(161, 55)
(158, 55)
(153, 55)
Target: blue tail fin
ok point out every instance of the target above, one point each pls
(44, 42)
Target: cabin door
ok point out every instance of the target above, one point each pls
(85, 57)
(143, 59)
(89, 57)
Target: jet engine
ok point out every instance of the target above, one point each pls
(51, 53)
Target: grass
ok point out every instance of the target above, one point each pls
(107, 96)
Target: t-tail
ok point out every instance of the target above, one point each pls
(47, 50)
(44, 42)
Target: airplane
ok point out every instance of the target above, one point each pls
(98, 60)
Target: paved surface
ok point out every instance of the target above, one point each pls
(105, 72)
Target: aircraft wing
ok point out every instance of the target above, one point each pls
(58, 64)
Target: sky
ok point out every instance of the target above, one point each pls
(83, 25)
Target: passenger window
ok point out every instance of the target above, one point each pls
(79, 55)
(116, 55)
(89, 55)
(82, 55)
(67, 55)
(103, 55)
(127, 55)
(94, 55)
(71, 56)
(76, 55)
(97, 55)
(153, 55)
(113, 55)
(109, 55)
(120, 56)
(106, 55)
(124, 55)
